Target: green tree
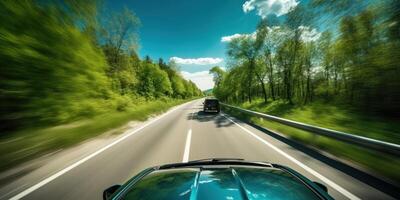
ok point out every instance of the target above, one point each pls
(245, 50)
(50, 72)
(218, 75)
(120, 34)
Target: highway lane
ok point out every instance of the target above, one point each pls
(182, 134)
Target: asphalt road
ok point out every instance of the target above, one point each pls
(184, 133)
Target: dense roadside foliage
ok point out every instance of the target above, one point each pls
(27, 144)
(345, 78)
(355, 62)
(336, 118)
(59, 63)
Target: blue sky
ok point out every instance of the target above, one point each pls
(190, 31)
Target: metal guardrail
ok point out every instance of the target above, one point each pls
(377, 145)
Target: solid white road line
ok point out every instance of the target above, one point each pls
(65, 170)
(308, 169)
(187, 146)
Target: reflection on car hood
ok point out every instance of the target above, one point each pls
(220, 183)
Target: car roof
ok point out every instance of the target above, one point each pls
(211, 99)
(220, 179)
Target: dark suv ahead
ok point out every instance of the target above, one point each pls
(211, 105)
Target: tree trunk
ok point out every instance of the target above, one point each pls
(249, 91)
(271, 79)
(262, 87)
(308, 94)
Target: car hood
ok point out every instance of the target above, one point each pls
(220, 183)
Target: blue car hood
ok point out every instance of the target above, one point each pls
(220, 183)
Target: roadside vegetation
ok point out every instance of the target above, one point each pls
(31, 143)
(70, 62)
(345, 78)
(336, 117)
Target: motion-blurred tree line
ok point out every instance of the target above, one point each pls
(63, 60)
(355, 61)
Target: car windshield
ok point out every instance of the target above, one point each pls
(221, 183)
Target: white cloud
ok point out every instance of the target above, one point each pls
(196, 61)
(203, 79)
(237, 35)
(253, 35)
(308, 34)
(267, 7)
(230, 37)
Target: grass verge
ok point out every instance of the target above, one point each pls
(337, 118)
(27, 144)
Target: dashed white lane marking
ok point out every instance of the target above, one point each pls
(305, 167)
(187, 146)
(65, 170)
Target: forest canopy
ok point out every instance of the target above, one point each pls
(60, 61)
(353, 62)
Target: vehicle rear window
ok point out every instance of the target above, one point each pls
(212, 102)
